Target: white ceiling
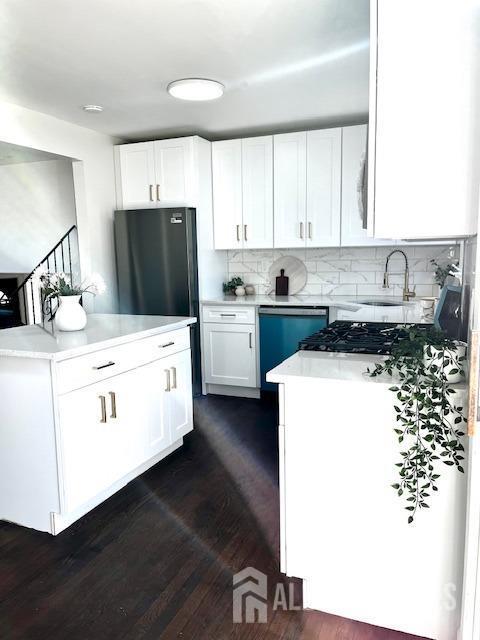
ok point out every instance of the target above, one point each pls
(285, 63)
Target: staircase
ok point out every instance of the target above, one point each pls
(24, 305)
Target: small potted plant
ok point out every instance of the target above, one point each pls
(234, 287)
(444, 271)
(69, 314)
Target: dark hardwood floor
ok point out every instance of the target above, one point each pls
(156, 560)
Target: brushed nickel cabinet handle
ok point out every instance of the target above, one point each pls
(113, 403)
(168, 344)
(245, 233)
(309, 230)
(301, 230)
(174, 377)
(104, 366)
(158, 192)
(238, 233)
(151, 192)
(103, 409)
(167, 384)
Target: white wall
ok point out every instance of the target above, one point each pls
(37, 207)
(94, 181)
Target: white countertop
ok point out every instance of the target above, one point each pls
(103, 330)
(328, 366)
(340, 307)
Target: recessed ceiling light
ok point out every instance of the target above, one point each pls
(92, 108)
(196, 89)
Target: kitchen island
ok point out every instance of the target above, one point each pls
(83, 413)
(344, 531)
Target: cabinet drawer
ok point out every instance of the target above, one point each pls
(228, 314)
(75, 373)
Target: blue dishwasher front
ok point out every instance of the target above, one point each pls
(281, 329)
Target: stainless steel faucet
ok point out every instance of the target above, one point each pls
(407, 294)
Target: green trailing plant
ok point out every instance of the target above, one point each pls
(229, 287)
(442, 271)
(429, 422)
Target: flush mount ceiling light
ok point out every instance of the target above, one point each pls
(92, 108)
(196, 89)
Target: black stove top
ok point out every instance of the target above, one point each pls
(357, 337)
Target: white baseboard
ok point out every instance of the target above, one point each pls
(228, 390)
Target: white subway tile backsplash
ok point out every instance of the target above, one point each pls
(345, 271)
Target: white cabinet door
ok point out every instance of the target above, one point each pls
(290, 174)
(324, 174)
(257, 188)
(230, 354)
(174, 171)
(424, 159)
(148, 415)
(227, 194)
(354, 147)
(137, 166)
(179, 394)
(102, 435)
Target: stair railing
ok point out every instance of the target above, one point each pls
(59, 258)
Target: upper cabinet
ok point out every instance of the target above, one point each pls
(290, 188)
(152, 174)
(324, 177)
(227, 194)
(307, 188)
(423, 158)
(354, 149)
(257, 192)
(243, 193)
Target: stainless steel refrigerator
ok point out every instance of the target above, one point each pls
(156, 252)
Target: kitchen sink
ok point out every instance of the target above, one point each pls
(380, 303)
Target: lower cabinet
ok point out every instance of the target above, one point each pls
(230, 354)
(110, 428)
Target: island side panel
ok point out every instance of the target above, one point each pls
(28, 468)
(346, 531)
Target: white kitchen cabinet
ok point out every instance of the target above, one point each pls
(227, 194)
(257, 192)
(178, 394)
(96, 420)
(138, 179)
(174, 170)
(158, 173)
(324, 175)
(423, 157)
(229, 347)
(289, 189)
(243, 193)
(354, 148)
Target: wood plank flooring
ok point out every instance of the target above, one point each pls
(155, 561)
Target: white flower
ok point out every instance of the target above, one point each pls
(95, 284)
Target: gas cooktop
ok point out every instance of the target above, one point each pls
(357, 337)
